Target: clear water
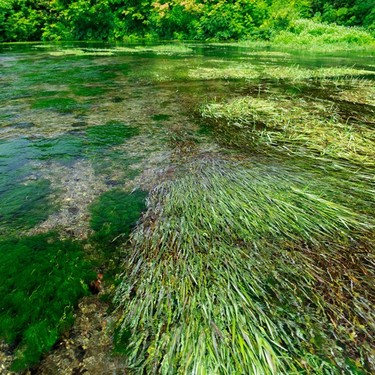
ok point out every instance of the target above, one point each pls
(73, 126)
(83, 125)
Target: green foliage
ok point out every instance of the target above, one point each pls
(179, 19)
(43, 278)
(115, 214)
(308, 32)
(232, 20)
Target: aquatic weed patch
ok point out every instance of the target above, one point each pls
(163, 49)
(15, 156)
(88, 90)
(43, 278)
(115, 214)
(293, 124)
(228, 274)
(294, 73)
(66, 148)
(24, 205)
(110, 134)
(84, 143)
(62, 104)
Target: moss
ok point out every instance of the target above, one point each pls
(43, 278)
(115, 213)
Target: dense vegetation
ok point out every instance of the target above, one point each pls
(33, 312)
(26, 20)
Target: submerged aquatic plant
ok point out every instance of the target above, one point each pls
(115, 214)
(247, 270)
(294, 73)
(293, 124)
(24, 205)
(42, 280)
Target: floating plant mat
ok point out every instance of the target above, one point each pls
(247, 270)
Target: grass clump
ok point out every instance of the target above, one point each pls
(232, 272)
(293, 124)
(43, 278)
(115, 213)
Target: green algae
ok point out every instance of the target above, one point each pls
(15, 156)
(57, 104)
(25, 205)
(161, 117)
(86, 90)
(111, 134)
(86, 143)
(43, 278)
(115, 214)
(65, 148)
(119, 163)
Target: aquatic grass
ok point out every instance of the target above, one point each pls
(167, 49)
(80, 52)
(294, 73)
(293, 124)
(162, 49)
(229, 273)
(43, 278)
